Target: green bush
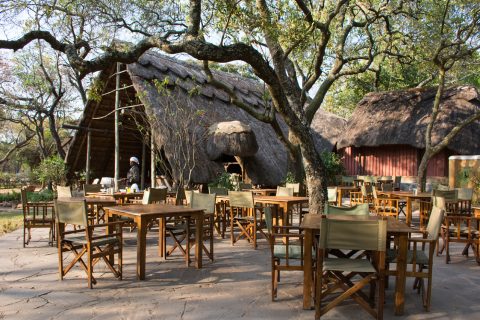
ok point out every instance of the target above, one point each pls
(223, 181)
(45, 195)
(14, 196)
(333, 166)
(52, 169)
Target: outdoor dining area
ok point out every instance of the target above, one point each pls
(359, 258)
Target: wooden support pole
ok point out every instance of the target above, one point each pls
(117, 131)
(142, 177)
(152, 160)
(87, 169)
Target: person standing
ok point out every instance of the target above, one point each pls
(133, 174)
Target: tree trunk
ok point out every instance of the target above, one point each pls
(295, 164)
(422, 171)
(56, 137)
(315, 177)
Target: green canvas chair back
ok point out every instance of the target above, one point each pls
(387, 187)
(368, 179)
(91, 188)
(353, 234)
(449, 195)
(284, 192)
(268, 219)
(245, 186)
(71, 212)
(64, 192)
(154, 195)
(158, 194)
(363, 189)
(374, 193)
(347, 181)
(357, 210)
(332, 194)
(203, 201)
(465, 194)
(294, 186)
(439, 202)
(241, 199)
(218, 191)
(435, 223)
(188, 196)
(442, 187)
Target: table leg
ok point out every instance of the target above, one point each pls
(307, 270)
(340, 197)
(409, 211)
(162, 246)
(400, 278)
(141, 247)
(198, 240)
(110, 218)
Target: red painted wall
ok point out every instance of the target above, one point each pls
(395, 160)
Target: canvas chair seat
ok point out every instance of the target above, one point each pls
(348, 265)
(95, 242)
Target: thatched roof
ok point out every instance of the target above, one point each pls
(231, 138)
(188, 84)
(327, 129)
(401, 118)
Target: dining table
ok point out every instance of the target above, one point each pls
(409, 197)
(398, 229)
(143, 214)
(284, 203)
(263, 191)
(120, 197)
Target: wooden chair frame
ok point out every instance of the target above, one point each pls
(362, 235)
(248, 218)
(84, 241)
(37, 215)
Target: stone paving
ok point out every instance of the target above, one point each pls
(235, 286)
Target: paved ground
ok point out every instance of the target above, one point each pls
(235, 286)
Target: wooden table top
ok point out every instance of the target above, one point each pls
(409, 194)
(269, 198)
(154, 210)
(92, 200)
(313, 221)
(347, 188)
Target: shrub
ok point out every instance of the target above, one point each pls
(13, 196)
(224, 180)
(45, 195)
(333, 166)
(51, 170)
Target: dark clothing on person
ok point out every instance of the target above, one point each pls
(133, 175)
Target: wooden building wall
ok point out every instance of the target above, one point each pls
(393, 160)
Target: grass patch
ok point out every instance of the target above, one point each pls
(10, 221)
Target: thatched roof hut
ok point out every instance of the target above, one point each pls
(187, 83)
(401, 117)
(398, 119)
